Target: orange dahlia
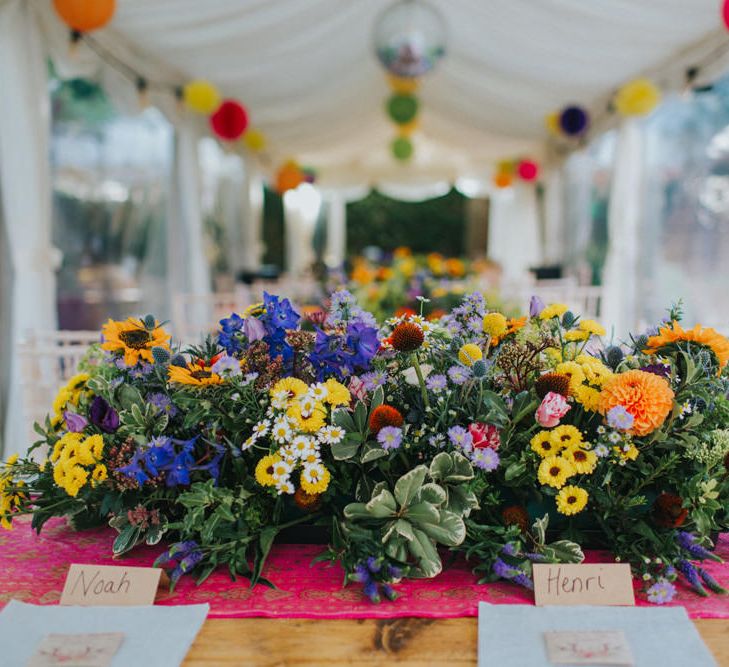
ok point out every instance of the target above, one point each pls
(646, 396)
(407, 337)
(384, 415)
(706, 336)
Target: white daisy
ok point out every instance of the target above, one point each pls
(281, 431)
(331, 435)
(280, 400)
(281, 470)
(313, 472)
(261, 428)
(301, 445)
(284, 485)
(319, 391)
(288, 454)
(248, 443)
(307, 403)
(312, 457)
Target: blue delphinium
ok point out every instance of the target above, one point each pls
(376, 578)
(344, 354)
(181, 558)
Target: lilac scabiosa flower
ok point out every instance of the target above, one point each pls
(141, 370)
(460, 437)
(374, 379)
(458, 374)
(75, 423)
(390, 437)
(162, 403)
(437, 440)
(619, 418)
(485, 459)
(436, 383)
(226, 366)
(661, 592)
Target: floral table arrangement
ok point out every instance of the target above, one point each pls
(511, 441)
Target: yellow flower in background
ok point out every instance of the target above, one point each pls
(554, 471)
(588, 398)
(99, 474)
(133, 339)
(194, 375)
(542, 444)
(566, 435)
(337, 394)
(572, 370)
(595, 371)
(583, 460)
(12, 460)
(627, 453)
(455, 267)
(469, 354)
(554, 355)
(265, 469)
(62, 399)
(553, 310)
(576, 336)
(637, 98)
(78, 381)
(571, 500)
(494, 324)
(592, 328)
(706, 336)
(401, 252)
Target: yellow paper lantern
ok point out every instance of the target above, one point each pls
(637, 98)
(201, 96)
(551, 122)
(506, 167)
(407, 129)
(254, 140)
(403, 85)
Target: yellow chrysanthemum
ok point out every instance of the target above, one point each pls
(554, 355)
(706, 336)
(553, 310)
(63, 397)
(74, 480)
(571, 500)
(494, 324)
(566, 435)
(555, 471)
(310, 423)
(595, 371)
(574, 371)
(133, 339)
(469, 354)
(629, 454)
(293, 386)
(194, 375)
(315, 478)
(588, 398)
(85, 455)
(265, 468)
(96, 443)
(542, 444)
(337, 393)
(591, 327)
(582, 460)
(78, 381)
(99, 474)
(12, 460)
(576, 336)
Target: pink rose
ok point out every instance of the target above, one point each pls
(553, 408)
(484, 435)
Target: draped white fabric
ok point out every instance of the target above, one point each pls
(26, 195)
(620, 300)
(554, 211)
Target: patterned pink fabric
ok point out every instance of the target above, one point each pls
(33, 569)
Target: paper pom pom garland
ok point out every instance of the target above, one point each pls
(402, 85)
(254, 140)
(402, 149)
(402, 109)
(291, 175)
(506, 167)
(201, 96)
(551, 122)
(503, 180)
(528, 170)
(574, 121)
(229, 122)
(637, 98)
(725, 13)
(85, 15)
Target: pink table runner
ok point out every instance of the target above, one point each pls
(33, 569)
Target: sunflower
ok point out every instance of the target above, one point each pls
(582, 460)
(571, 500)
(542, 444)
(194, 375)
(646, 396)
(572, 370)
(555, 471)
(265, 468)
(134, 339)
(706, 336)
(565, 436)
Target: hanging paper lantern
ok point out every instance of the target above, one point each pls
(309, 174)
(402, 108)
(573, 121)
(725, 13)
(409, 38)
(551, 122)
(201, 96)
(254, 140)
(402, 85)
(503, 180)
(506, 167)
(407, 129)
(85, 15)
(402, 148)
(289, 177)
(637, 98)
(528, 170)
(229, 122)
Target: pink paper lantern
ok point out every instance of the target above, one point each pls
(528, 170)
(725, 13)
(230, 121)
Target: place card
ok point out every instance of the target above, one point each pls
(110, 585)
(575, 647)
(586, 583)
(86, 650)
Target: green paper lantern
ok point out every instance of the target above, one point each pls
(402, 148)
(402, 108)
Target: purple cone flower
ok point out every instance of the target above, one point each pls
(103, 415)
(75, 423)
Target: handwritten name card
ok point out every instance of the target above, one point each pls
(110, 586)
(593, 583)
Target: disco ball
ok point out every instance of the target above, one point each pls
(409, 38)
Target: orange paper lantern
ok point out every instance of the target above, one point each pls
(85, 15)
(503, 180)
(289, 177)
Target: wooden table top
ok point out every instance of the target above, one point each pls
(326, 643)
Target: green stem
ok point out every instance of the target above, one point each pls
(421, 381)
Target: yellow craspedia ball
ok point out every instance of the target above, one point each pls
(551, 122)
(637, 98)
(254, 140)
(201, 96)
(494, 324)
(470, 354)
(403, 85)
